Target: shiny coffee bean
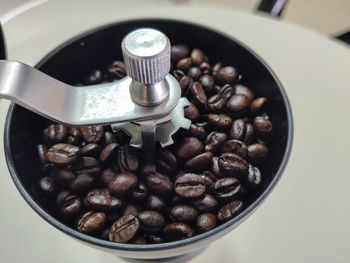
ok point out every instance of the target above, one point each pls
(206, 222)
(62, 153)
(55, 133)
(207, 82)
(155, 203)
(107, 176)
(102, 200)
(62, 176)
(209, 181)
(177, 231)
(257, 152)
(117, 70)
(91, 222)
(159, 184)
(240, 130)
(166, 162)
(123, 184)
(197, 130)
(243, 90)
(178, 74)
(238, 105)
(184, 213)
(226, 75)
(236, 147)
(254, 176)
(215, 167)
(216, 103)
(92, 133)
(189, 185)
(42, 151)
(227, 91)
(179, 52)
(86, 165)
(198, 94)
(70, 206)
(214, 141)
(82, 183)
(197, 57)
(95, 77)
(229, 211)
(199, 163)
(184, 64)
(219, 122)
(131, 209)
(188, 148)
(91, 150)
(127, 159)
(151, 221)
(192, 112)
(185, 84)
(232, 165)
(194, 73)
(109, 137)
(227, 188)
(109, 152)
(216, 67)
(140, 192)
(124, 229)
(263, 127)
(47, 185)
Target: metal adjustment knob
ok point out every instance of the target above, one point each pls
(146, 55)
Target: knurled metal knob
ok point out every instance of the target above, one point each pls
(146, 55)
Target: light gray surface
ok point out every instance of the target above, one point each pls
(303, 220)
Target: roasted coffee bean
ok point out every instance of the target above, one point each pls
(107, 176)
(243, 90)
(62, 153)
(209, 181)
(155, 203)
(257, 152)
(117, 70)
(216, 103)
(191, 112)
(254, 176)
(185, 84)
(131, 209)
(109, 152)
(198, 94)
(166, 162)
(123, 184)
(197, 57)
(197, 130)
(86, 165)
(140, 192)
(91, 222)
(60, 197)
(101, 199)
(216, 67)
(109, 138)
(207, 82)
(215, 167)
(238, 105)
(178, 74)
(159, 184)
(263, 127)
(232, 165)
(227, 188)
(92, 133)
(177, 231)
(199, 163)
(219, 122)
(147, 168)
(70, 206)
(179, 52)
(124, 229)
(214, 141)
(55, 133)
(127, 159)
(154, 238)
(82, 183)
(227, 91)
(47, 185)
(184, 213)
(184, 64)
(151, 221)
(188, 148)
(95, 77)
(42, 151)
(194, 73)
(240, 130)
(189, 185)
(226, 75)
(62, 176)
(206, 222)
(91, 150)
(229, 211)
(235, 146)
(205, 67)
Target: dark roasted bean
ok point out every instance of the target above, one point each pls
(188, 148)
(91, 150)
(124, 229)
(101, 199)
(123, 184)
(257, 152)
(91, 222)
(87, 165)
(183, 213)
(140, 192)
(209, 181)
(62, 176)
(47, 185)
(159, 184)
(166, 162)
(117, 70)
(199, 163)
(216, 103)
(235, 146)
(177, 231)
(179, 52)
(238, 105)
(109, 138)
(229, 211)
(155, 203)
(215, 167)
(189, 185)
(92, 133)
(191, 112)
(131, 209)
(185, 84)
(108, 152)
(254, 176)
(82, 183)
(147, 168)
(62, 153)
(69, 206)
(206, 222)
(197, 57)
(184, 64)
(178, 74)
(214, 141)
(127, 159)
(194, 73)
(42, 151)
(226, 75)
(216, 67)
(197, 130)
(219, 122)
(227, 91)
(151, 221)
(205, 67)
(198, 94)
(107, 176)
(207, 82)
(243, 90)
(55, 133)
(263, 127)
(232, 165)
(227, 188)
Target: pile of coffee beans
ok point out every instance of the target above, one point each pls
(95, 182)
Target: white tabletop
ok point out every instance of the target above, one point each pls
(305, 219)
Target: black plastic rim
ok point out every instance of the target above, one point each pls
(163, 246)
